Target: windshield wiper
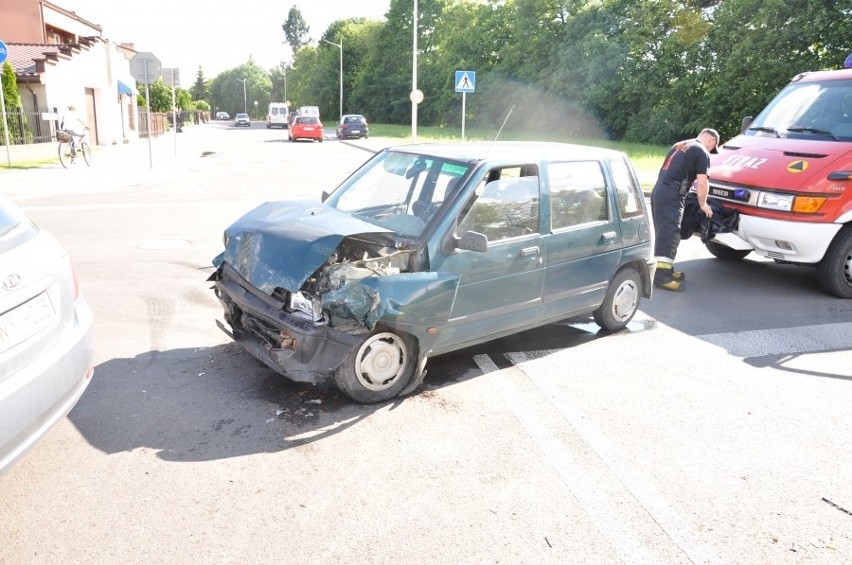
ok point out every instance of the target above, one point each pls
(765, 130)
(817, 131)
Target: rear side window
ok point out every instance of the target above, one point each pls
(577, 194)
(628, 192)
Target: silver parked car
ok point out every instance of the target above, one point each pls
(46, 351)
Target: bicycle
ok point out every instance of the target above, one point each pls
(68, 150)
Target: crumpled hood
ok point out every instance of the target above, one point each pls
(281, 244)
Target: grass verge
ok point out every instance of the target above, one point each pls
(646, 158)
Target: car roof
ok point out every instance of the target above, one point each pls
(509, 150)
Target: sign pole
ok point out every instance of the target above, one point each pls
(464, 101)
(144, 67)
(148, 113)
(174, 117)
(4, 52)
(5, 122)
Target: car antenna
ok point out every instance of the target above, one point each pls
(499, 131)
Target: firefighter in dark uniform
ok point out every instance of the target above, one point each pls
(686, 163)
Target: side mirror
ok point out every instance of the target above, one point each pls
(472, 241)
(745, 123)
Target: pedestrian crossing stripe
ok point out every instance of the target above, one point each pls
(797, 167)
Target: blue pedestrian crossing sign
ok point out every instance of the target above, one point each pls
(465, 81)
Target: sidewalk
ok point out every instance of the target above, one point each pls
(113, 166)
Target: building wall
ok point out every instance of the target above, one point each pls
(88, 78)
(20, 22)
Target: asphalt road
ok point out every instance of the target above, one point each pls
(714, 430)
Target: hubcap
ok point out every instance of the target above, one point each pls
(625, 301)
(381, 361)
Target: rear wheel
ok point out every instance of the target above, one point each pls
(726, 253)
(87, 153)
(621, 301)
(835, 269)
(378, 369)
(65, 156)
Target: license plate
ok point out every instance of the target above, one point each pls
(26, 320)
(355, 131)
(740, 194)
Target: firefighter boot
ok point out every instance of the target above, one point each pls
(676, 275)
(665, 277)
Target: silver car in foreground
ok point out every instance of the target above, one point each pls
(46, 351)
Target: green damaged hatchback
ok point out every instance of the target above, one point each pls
(426, 249)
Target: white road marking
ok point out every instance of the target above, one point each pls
(602, 509)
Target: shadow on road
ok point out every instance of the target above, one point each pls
(219, 402)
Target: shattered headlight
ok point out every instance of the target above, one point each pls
(304, 306)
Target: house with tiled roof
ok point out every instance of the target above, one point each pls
(61, 59)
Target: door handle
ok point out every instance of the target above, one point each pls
(607, 237)
(530, 251)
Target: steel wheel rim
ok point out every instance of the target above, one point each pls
(381, 361)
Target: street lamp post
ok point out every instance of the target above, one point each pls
(414, 100)
(255, 109)
(339, 46)
(245, 98)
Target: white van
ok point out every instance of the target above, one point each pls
(309, 111)
(277, 115)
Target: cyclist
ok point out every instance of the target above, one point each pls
(72, 123)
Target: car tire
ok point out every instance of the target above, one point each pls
(721, 251)
(378, 369)
(834, 272)
(621, 301)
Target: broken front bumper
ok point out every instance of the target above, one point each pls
(293, 346)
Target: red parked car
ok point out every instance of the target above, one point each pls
(306, 127)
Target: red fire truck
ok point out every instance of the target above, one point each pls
(789, 175)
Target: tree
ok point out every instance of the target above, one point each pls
(296, 30)
(18, 132)
(200, 89)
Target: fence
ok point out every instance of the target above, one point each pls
(27, 126)
(31, 126)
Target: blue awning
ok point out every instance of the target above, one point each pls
(124, 89)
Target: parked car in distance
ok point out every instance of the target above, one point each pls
(222, 116)
(352, 125)
(426, 249)
(306, 127)
(277, 115)
(242, 119)
(46, 351)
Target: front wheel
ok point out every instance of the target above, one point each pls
(835, 269)
(66, 157)
(378, 369)
(621, 301)
(87, 153)
(726, 253)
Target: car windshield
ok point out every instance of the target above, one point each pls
(821, 110)
(400, 191)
